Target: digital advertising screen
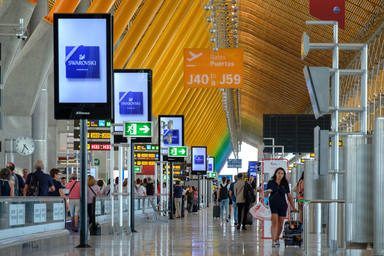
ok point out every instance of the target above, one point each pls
(199, 160)
(211, 164)
(132, 96)
(82, 66)
(171, 131)
(253, 168)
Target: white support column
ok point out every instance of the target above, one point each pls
(364, 90)
(332, 236)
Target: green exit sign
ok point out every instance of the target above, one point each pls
(96, 162)
(138, 129)
(211, 175)
(178, 151)
(137, 169)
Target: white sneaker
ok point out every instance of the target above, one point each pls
(274, 245)
(277, 243)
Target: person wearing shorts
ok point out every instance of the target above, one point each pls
(278, 189)
(74, 201)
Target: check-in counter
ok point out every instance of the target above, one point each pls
(21, 216)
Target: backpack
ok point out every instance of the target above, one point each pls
(33, 186)
(249, 195)
(150, 189)
(223, 192)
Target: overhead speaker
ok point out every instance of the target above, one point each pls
(304, 45)
(317, 80)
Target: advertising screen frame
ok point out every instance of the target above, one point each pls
(198, 172)
(149, 91)
(214, 165)
(79, 110)
(160, 133)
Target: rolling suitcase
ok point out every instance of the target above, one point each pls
(293, 230)
(216, 211)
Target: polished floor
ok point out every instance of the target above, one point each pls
(194, 235)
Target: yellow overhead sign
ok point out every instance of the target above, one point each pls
(205, 68)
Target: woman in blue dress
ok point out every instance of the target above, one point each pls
(278, 189)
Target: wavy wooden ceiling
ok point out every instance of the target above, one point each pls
(153, 33)
(270, 34)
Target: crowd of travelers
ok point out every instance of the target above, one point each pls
(236, 197)
(39, 183)
(185, 199)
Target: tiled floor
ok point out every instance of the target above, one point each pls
(193, 235)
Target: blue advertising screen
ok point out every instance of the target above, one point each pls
(132, 96)
(172, 129)
(211, 164)
(82, 50)
(253, 168)
(199, 160)
(82, 60)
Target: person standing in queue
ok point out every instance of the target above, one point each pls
(278, 189)
(17, 180)
(6, 185)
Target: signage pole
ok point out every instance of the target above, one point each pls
(83, 185)
(171, 192)
(120, 184)
(161, 181)
(198, 192)
(130, 191)
(131, 185)
(111, 167)
(167, 185)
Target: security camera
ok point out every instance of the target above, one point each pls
(21, 36)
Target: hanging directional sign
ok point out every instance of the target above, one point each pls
(205, 68)
(178, 151)
(138, 129)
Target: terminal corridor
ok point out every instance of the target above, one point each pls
(196, 234)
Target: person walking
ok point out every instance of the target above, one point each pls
(230, 199)
(38, 183)
(241, 202)
(6, 186)
(234, 205)
(278, 190)
(189, 199)
(178, 194)
(223, 198)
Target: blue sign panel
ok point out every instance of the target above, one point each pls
(82, 62)
(131, 103)
(253, 168)
(234, 163)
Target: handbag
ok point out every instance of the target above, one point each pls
(261, 212)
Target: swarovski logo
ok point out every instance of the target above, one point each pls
(82, 61)
(82, 113)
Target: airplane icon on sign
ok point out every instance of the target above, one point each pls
(194, 56)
